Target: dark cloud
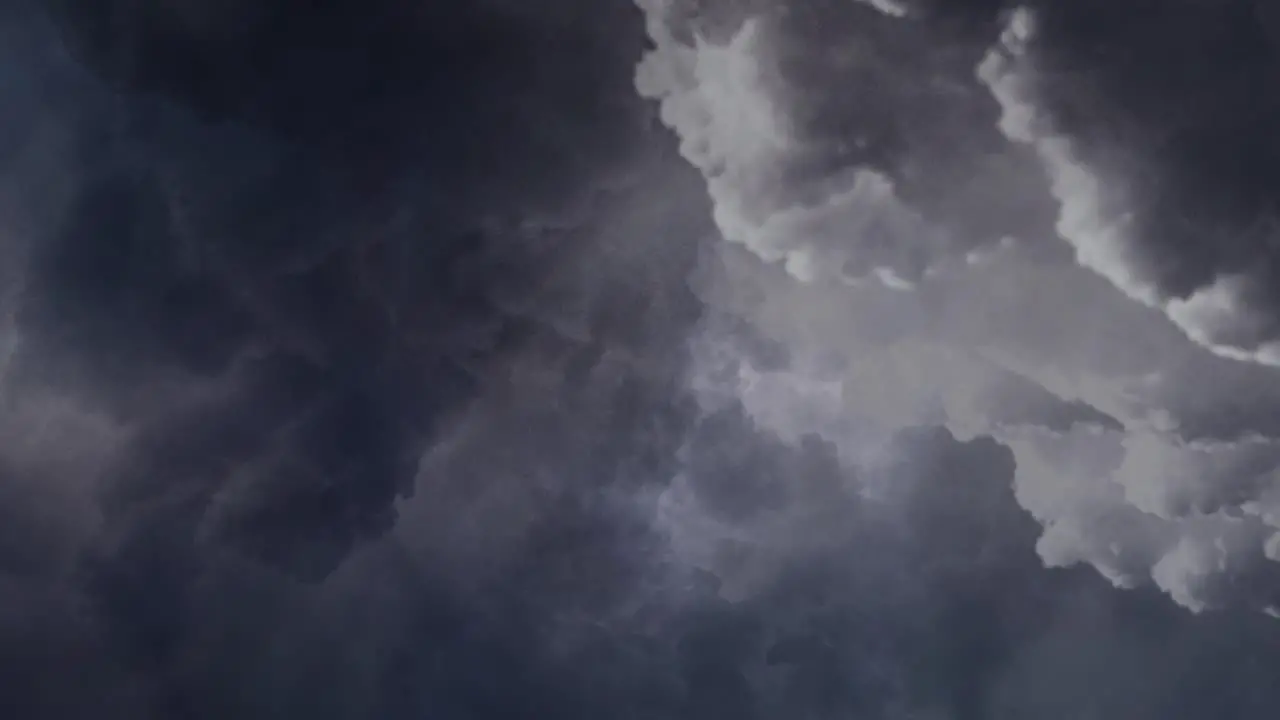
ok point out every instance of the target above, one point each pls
(381, 360)
(1175, 124)
(283, 261)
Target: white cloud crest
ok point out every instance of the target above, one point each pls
(1143, 446)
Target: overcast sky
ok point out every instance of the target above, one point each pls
(639, 359)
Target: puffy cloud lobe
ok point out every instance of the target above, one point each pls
(1141, 452)
(1226, 307)
(1201, 499)
(810, 178)
(838, 566)
(1169, 458)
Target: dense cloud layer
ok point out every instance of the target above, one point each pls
(380, 359)
(1143, 431)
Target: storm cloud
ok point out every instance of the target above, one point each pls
(1136, 403)
(599, 358)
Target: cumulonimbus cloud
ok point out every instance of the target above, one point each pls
(1227, 311)
(1139, 418)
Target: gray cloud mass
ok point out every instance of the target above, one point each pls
(1166, 474)
(637, 359)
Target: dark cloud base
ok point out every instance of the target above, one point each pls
(290, 250)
